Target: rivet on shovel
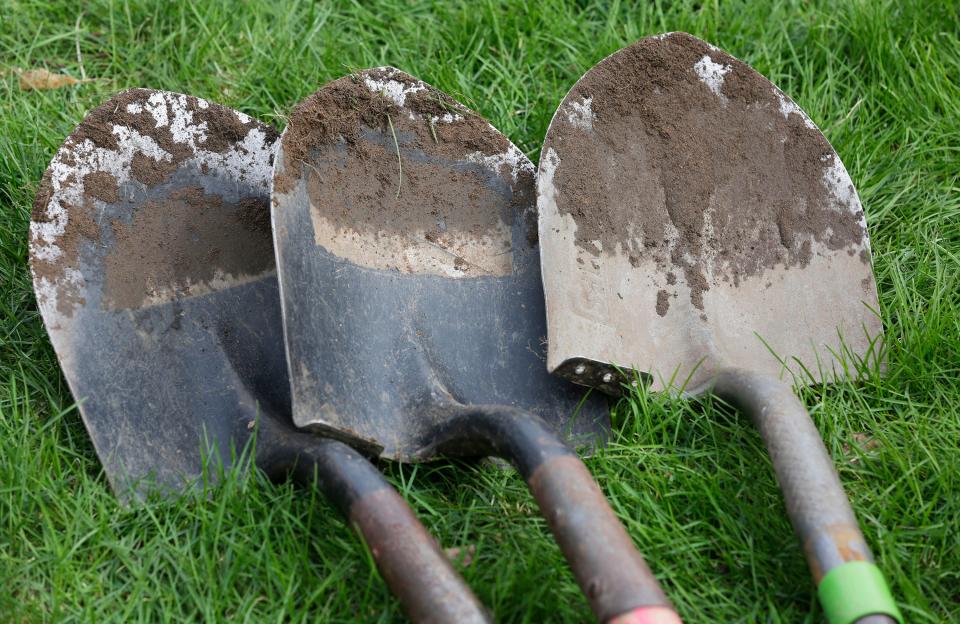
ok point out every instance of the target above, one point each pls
(697, 227)
(154, 272)
(406, 242)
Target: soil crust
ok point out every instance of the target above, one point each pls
(697, 162)
(186, 241)
(235, 238)
(346, 139)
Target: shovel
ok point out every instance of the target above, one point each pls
(154, 271)
(405, 233)
(698, 228)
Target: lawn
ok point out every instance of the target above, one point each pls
(691, 482)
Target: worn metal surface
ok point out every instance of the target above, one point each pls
(410, 559)
(418, 350)
(183, 371)
(374, 350)
(818, 508)
(676, 315)
(769, 280)
(153, 266)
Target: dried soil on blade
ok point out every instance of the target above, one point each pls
(344, 139)
(139, 112)
(184, 245)
(718, 178)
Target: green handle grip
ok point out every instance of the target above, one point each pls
(854, 590)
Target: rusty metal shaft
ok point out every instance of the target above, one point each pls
(410, 560)
(607, 566)
(816, 503)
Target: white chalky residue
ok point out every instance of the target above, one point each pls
(787, 107)
(243, 161)
(513, 158)
(547, 194)
(393, 90)
(182, 126)
(447, 118)
(711, 74)
(46, 295)
(546, 191)
(838, 182)
(580, 114)
(66, 183)
(707, 233)
(671, 235)
(246, 161)
(156, 105)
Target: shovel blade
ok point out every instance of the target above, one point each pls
(153, 267)
(693, 218)
(405, 229)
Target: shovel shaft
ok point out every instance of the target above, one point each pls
(836, 550)
(410, 560)
(611, 572)
(613, 575)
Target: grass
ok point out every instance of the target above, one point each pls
(692, 483)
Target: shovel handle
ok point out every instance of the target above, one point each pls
(409, 558)
(619, 586)
(849, 584)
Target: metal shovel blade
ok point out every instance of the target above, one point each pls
(697, 227)
(153, 266)
(693, 218)
(154, 271)
(405, 229)
(405, 232)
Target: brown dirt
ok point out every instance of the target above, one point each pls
(103, 186)
(150, 171)
(171, 248)
(663, 302)
(359, 191)
(758, 175)
(357, 181)
(82, 223)
(84, 227)
(223, 128)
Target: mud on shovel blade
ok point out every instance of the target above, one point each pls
(405, 231)
(694, 222)
(154, 271)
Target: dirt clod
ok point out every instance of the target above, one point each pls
(102, 185)
(663, 302)
(150, 171)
